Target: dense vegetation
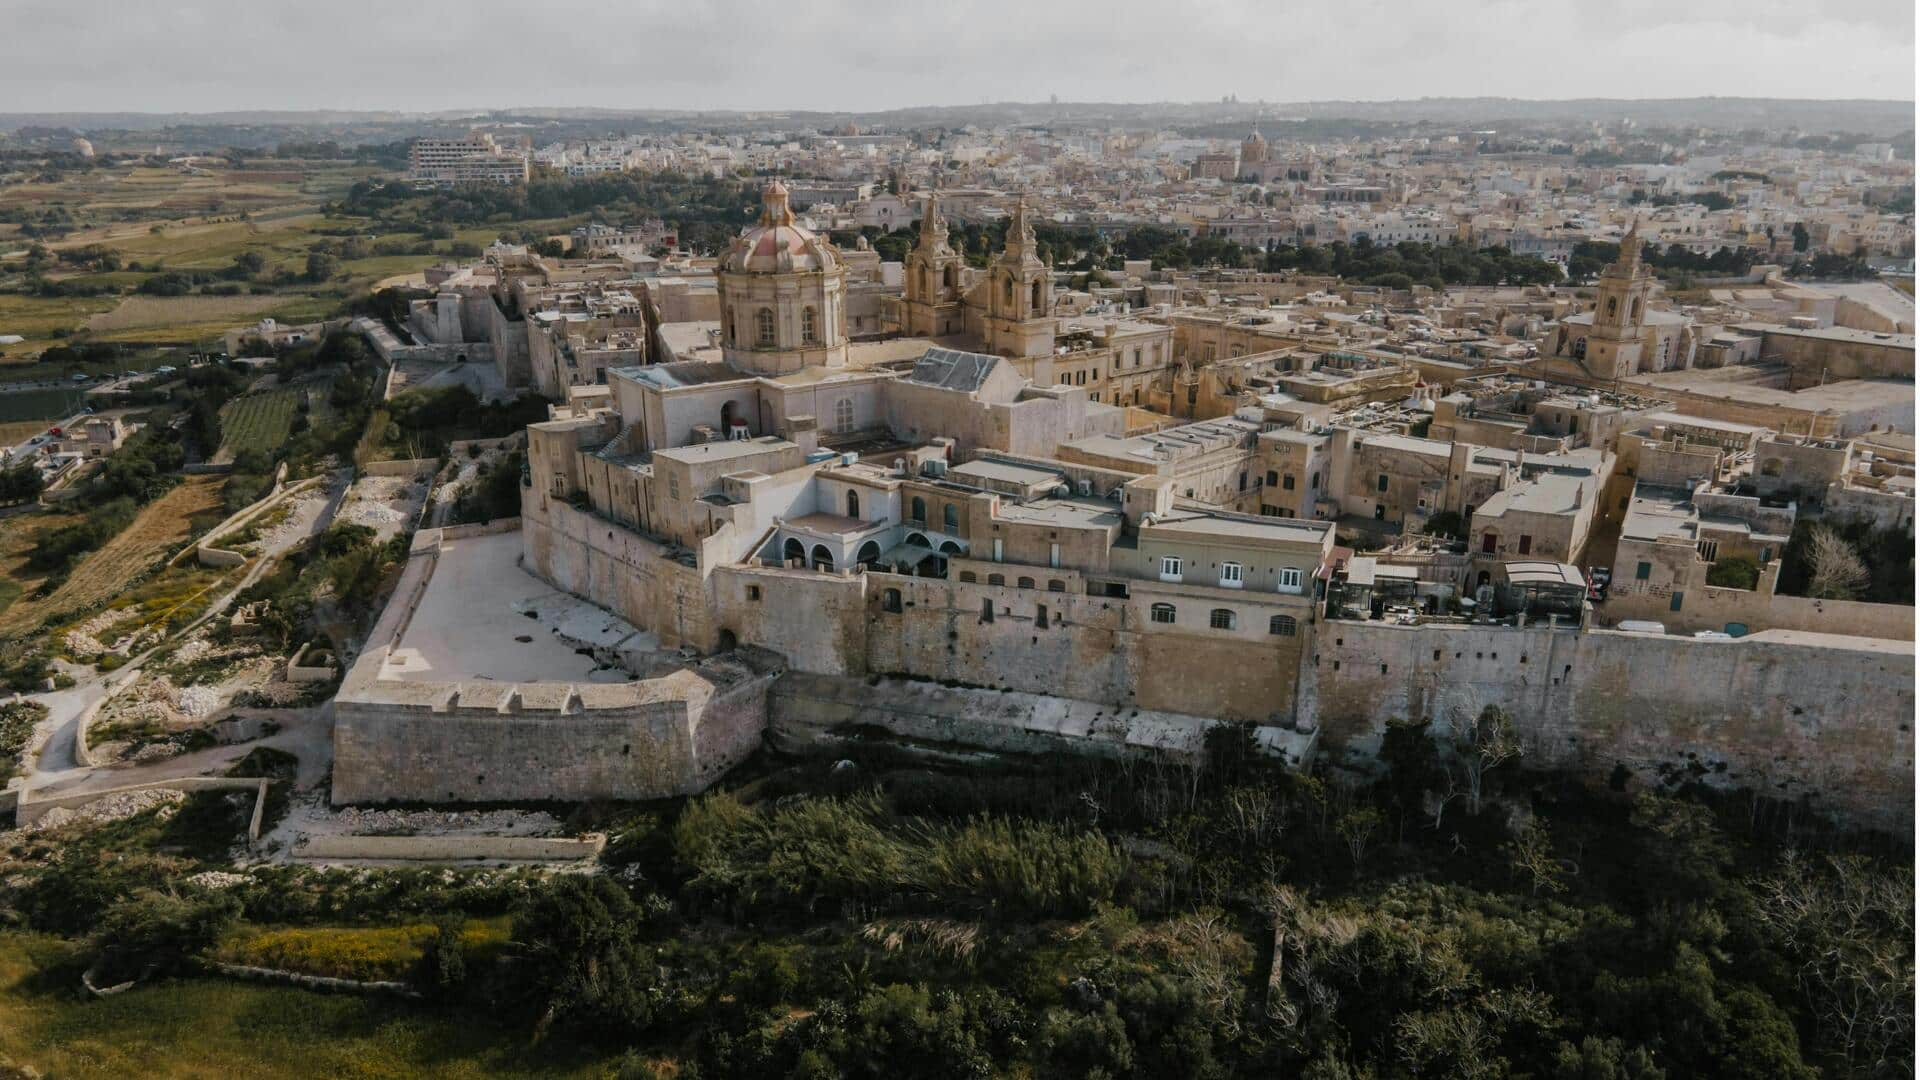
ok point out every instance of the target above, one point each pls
(1859, 563)
(705, 212)
(881, 917)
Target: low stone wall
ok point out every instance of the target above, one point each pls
(309, 982)
(213, 556)
(410, 467)
(302, 669)
(1711, 608)
(461, 448)
(32, 809)
(454, 848)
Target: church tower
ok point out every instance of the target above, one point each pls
(1615, 346)
(1019, 318)
(937, 280)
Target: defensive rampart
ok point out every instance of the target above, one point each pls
(1784, 713)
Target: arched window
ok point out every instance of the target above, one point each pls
(1025, 583)
(1284, 625)
(794, 550)
(1006, 288)
(1613, 306)
(1056, 585)
(1039, 292)
(1222, 619)
(968, 577)
(926, 282)
(853, 503)
(763, 328)
(843, 415)
(1636, 309)
(1163, 613)
(996, 579)
(869, 551)
(822, 558)
(919, 510)
(809, 326)
(947, 276)
(950, 518)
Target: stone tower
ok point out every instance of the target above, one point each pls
(1620, 313)
(937, 280)
(1019, 318)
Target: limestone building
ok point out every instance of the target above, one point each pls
(1622, 335)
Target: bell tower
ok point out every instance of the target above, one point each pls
(1616, 345)
(937, 280)
(1020, 294)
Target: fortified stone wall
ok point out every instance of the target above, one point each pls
(486, 741)
(638, 579)
(1095, 648)
(1786, 714)
(1783, 712)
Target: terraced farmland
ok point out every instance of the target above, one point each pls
(162, 525)
(258, 421)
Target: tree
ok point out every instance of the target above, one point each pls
(583, 960)
(1733, 572)
(1837, 570)
(321, 266)
(1482, 742)
(158, 932)
(1532, 857)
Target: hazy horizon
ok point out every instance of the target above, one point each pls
(81, 56)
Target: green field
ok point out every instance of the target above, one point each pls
(260, 422)
(211, 1028)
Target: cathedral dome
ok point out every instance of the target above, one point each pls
(777, 245)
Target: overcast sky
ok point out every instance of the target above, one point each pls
(208, 55)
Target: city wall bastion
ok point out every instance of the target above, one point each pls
(1788, 714)
(459, 698)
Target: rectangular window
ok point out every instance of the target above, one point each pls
(999, 550)
(1163, 613)
(1289, 579)
(1286, 482)
(1674, 604)
(1170, 568)
(1487, 543)
(1230, 575)
(1380, 484)
(1053, 556)
(1643, 571)
(1709, 550)
(1526, 544)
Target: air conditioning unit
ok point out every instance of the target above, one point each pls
(1086, 487)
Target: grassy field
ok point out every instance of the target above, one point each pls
(259, 421)
(18, 533)
(167, 220)
(161, 526)
(217, 1028)
(170, 312)
(13, 431)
